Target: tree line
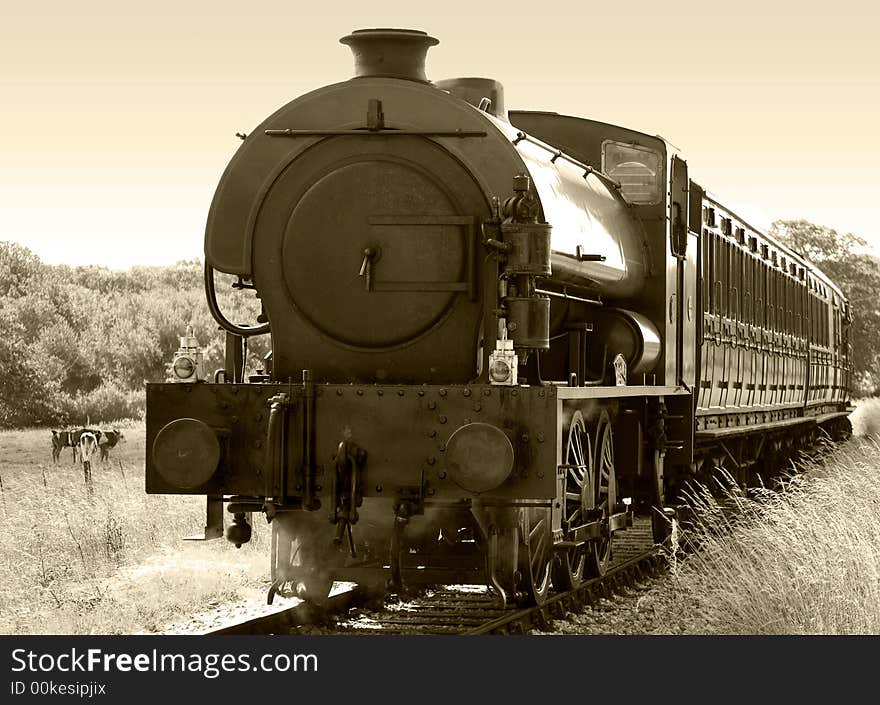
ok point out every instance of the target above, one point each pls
(846, 259)
(78, 343)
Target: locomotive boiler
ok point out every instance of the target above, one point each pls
(494, 336)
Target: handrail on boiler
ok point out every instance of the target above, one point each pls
(225, 323)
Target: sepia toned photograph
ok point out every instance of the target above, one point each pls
(458, 320)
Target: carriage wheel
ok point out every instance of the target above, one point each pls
(605, 486)
(535, 554)
(568, 568)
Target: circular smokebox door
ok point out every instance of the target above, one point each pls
(374, 252)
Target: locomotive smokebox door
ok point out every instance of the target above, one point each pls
(378, 268)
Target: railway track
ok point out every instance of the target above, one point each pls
(456, 609)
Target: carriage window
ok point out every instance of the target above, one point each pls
(780, 303)
(720, 276)
(706, 271)
(735, 282)
(813, 319)
(802, 311)
(826, 333)
(825, 336)
(786, 306)
(758, 303)
(748, 293)
(799, 306)
(638, 170)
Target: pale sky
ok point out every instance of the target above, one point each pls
(117, 119)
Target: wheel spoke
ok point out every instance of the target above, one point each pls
(534, 531)
(578, 448)
(538, 554)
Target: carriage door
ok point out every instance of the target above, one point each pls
(684, 230)
(692, 307)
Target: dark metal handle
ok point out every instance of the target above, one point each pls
(366, 270)
(581, 257)
(275, 443)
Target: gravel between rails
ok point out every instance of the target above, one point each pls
(642, 608)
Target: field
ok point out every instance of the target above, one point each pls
(112, 562)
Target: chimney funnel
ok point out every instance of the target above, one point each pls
(390, 53)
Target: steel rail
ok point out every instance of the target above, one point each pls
(282, 621)
(586, 593)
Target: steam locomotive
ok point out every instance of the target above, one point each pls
(495, 336)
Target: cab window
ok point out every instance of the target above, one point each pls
(638, 170)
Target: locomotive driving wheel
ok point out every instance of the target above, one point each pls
(535, 553)
(605, 494)
(568, 568)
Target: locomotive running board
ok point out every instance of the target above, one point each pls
(607, 391)
(716, 433)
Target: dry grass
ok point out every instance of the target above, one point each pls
(111, 561)
(805, 560)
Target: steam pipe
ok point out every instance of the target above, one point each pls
(214, 307)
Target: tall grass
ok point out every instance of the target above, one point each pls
(802, 560)
(110, 560)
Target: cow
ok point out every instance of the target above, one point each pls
(108, 440)
(60, 441)
(88, 446)
(77, 434)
